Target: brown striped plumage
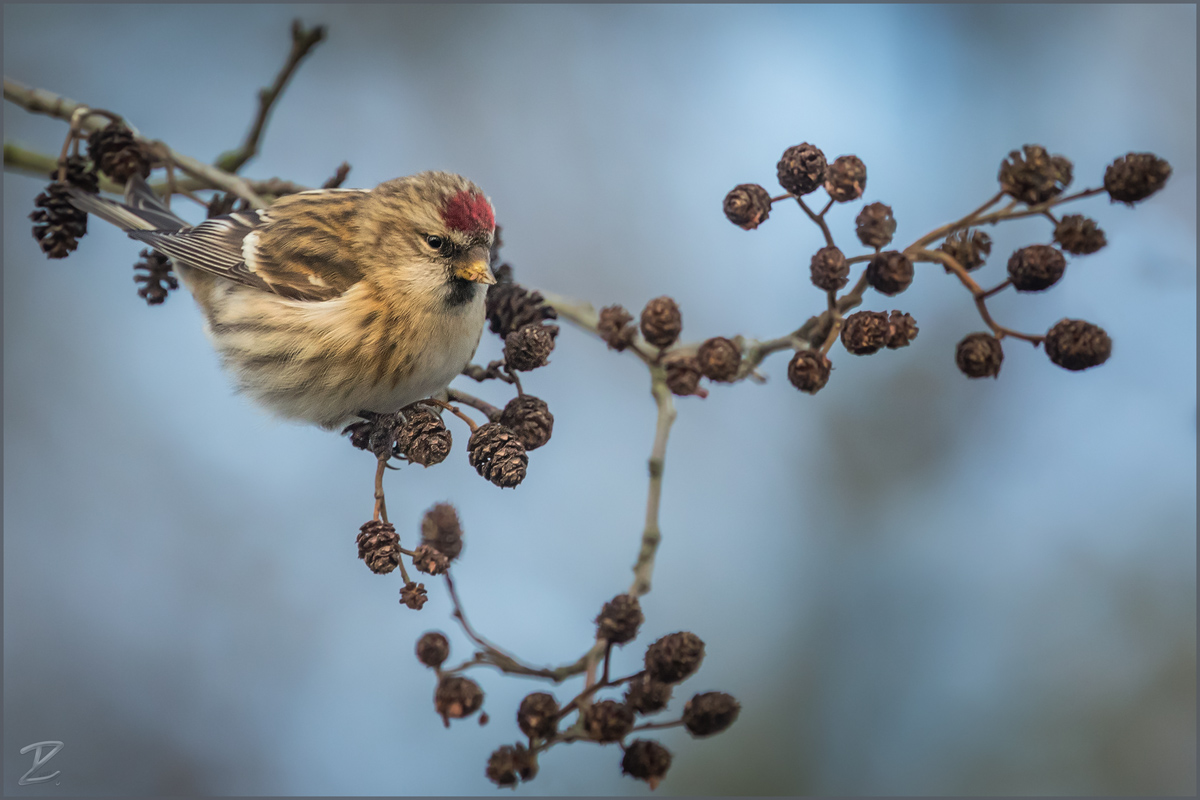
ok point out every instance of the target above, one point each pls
(335, 302)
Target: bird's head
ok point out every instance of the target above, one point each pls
(432, 233)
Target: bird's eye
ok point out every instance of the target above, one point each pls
(436, 242)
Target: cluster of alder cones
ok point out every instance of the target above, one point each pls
(1030, 176)
(667, 662)
(112, 150)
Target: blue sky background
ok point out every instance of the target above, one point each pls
(914, 583)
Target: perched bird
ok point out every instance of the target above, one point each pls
(332, 302)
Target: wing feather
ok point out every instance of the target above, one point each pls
(286, 249)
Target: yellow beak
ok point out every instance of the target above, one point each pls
(476, 271)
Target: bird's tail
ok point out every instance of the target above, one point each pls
(141, 211)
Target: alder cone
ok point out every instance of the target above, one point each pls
(979, 355)
(1075, 344)
(661, 322)
(719, 359)
(802, 169)
(747, 206)
(497, 454)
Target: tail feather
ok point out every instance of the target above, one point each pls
(141, 211)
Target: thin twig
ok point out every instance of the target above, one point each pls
(339, 177)
(819, 219)
(40, 101)
(494, 656)
(643, 568)
(303, 41)
(459, 396)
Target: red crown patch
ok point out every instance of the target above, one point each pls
(468, 212)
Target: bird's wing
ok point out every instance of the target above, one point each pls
(299, 248)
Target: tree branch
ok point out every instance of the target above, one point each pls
(643, 568)
(40, 101)
(303, 41)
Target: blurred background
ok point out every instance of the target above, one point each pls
(914, 583)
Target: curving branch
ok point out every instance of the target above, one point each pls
(303, 41)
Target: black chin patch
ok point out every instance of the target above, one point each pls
(460, 292)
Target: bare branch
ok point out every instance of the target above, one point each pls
(303, 41)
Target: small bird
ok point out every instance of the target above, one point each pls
(332, 303)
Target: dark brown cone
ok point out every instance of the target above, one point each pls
(866, 332)
(510, 762)
(430, 560)
(747, 206)
(80, 174)
(661, 322)
(904, 329)
(1135, 176)
(709, 713)
(58, 225)
(433, 649)
(538, 715)
(645, 695)
(1036, 267)
(802, 169)
(620, 619)
(497, 454)
(829, 269)
(528, 347)
(117, 153)
(969, 248)
(1075, 344)
(379, 546)
(674, 657)
(413, 595)
(809, 371)
(155, 275)
(424, 439)
(457, 697)
(683, 375)
(1079, 235)
(875, 225)
(615, 329)
(1034, 176)
(979, 355)
(511, 306)
(846, 178)
(375, 435)
(719, 359)
(890, 273)
(606, 720)
(224, 203)
(530, 419)
(646, 760)
(441, 530)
